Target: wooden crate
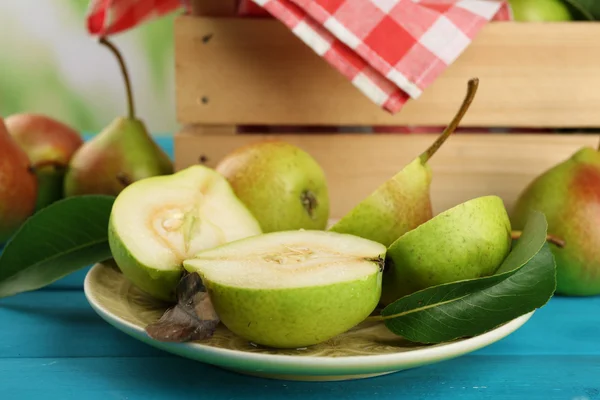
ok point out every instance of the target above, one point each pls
(255, 72)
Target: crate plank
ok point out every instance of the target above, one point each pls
(214, 8)
(467, 166)
(255, 71)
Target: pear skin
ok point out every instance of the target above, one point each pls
(281, 184)
(569, 195)
(403, 202)
(18, 185)
(468, 241)
(49, 144)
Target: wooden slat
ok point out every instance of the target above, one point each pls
(469, 165)
(257, 72)
(214, 8)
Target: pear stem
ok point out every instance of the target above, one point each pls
(473, 84)
(130, 106)
(549, 238)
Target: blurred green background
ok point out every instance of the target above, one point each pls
(50, 64)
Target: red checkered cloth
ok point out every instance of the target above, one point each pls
(108, 17)
(391, 50)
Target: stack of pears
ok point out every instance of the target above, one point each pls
(255, 230)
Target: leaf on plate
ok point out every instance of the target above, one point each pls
(57, 240)
(525, 281)
(192, 318)
(585, 9)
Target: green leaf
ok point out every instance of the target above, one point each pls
(57, 240)
(587, 9)
(525, 281)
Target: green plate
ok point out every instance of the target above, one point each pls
(365, 351)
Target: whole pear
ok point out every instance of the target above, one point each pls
(569, 195)
(49, 144)
(403, 202)
(282, 185)
(468, 241)
(18, 185)
(122, 153)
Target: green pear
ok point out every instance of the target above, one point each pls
(122, 153)
(18, 185)
(158, 222)
(468, 241)
(282, 185)
(403, 202)
(569, 195)
(292, 289)
(540, 10)
(49, 144)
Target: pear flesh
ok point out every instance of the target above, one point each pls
(158, 222)
(292, 289)
(468, 241)
(569, 196)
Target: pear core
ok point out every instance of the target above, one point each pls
(158, 222)
(294, 288)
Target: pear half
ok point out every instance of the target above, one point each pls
(292, 289)
(158, 222)
(467, 241)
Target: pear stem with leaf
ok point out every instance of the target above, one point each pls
(555, 240)
(473, 84)
(130, 106)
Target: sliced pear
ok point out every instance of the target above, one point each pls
(467, 241)
(292, 289)
(158, 222)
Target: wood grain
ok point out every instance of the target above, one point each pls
(467, 166)
(257, 72)
(214, 8)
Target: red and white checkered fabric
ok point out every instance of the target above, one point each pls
(108, 17)
(391, 50)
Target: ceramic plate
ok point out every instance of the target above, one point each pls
(367, 350)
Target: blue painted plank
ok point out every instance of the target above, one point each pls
(75, 280)
(471, 377)
(62, 324)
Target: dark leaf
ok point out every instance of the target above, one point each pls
(64, 237)
(192, 318)
(585, 9)
(524, 282)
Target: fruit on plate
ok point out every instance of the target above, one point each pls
(122, 153)
(282, 185)
(540, 10)
(158, 222)
(569, 195)
(403, 202)
(468, 241)
(292, 289)
(18, 185)
(49, 144)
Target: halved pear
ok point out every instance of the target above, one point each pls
(467, 241)
(158, 222)
(292, 289)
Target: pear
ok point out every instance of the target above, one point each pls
(292, 289)
(468, 241)
(569, 196)
(281, 184)
(122, 153)
(49, 144)
(403, 202)
(158, 222)
(540, 10)
(18, 185)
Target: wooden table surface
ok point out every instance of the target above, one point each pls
(53, 346)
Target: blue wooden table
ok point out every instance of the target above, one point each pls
(53, 346)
